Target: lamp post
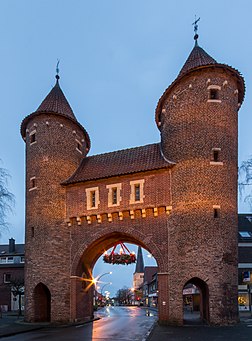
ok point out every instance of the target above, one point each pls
(95, 281)
(106, 273)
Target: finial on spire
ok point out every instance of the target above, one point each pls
(57, 70)
(195, 24)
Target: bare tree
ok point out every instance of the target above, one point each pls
(124, 296)
(16, 285)
(245, 180)
(7, 200)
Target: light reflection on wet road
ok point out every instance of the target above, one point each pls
(124, 323)
(115, 324)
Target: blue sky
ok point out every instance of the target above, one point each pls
(116, 60)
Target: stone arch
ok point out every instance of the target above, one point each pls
(88, 252)
(204, 297)
(84, 260)
(42, 303)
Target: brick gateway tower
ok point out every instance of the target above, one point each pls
(176, 198)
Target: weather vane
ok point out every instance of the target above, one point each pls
(57, 69)
(195, 24)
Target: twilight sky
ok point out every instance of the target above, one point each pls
(116, 59)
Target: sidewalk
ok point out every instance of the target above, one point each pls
(193, 332)
(11, 324)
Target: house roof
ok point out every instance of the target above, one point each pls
(121, 162)
(199, 59)
(245, 228)
(4, 250)
(149, 271)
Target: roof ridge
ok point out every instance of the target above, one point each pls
(121, 150)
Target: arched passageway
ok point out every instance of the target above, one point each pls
(42, 303)
(196, 302)
(82, 287)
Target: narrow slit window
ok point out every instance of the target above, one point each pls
(114, 195)
(33, 138)
(216, 212)
(32, 231)
(213, 94)
(216, 155)
(33, 183)
(92, 199)
(137, 192)
(79, 146)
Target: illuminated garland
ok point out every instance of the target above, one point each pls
(122, 258)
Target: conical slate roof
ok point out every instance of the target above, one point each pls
(56, 102)
(140, 262)
(198, 57)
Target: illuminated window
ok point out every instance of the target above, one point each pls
(92, 196)
(137, 192)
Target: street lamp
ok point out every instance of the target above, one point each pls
(106, 273)
(96, 281)
(109, 283)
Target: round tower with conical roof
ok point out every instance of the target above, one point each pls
(55, 144)
(197, 118)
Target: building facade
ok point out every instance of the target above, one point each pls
(12, 260)
(176, 198)
(245, 262)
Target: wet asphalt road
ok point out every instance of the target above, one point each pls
(115, 323)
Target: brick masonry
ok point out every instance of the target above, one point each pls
(175, 221)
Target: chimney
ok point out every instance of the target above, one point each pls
(11, 245)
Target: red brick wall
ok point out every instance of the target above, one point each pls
(52, 159)
(200, 245)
